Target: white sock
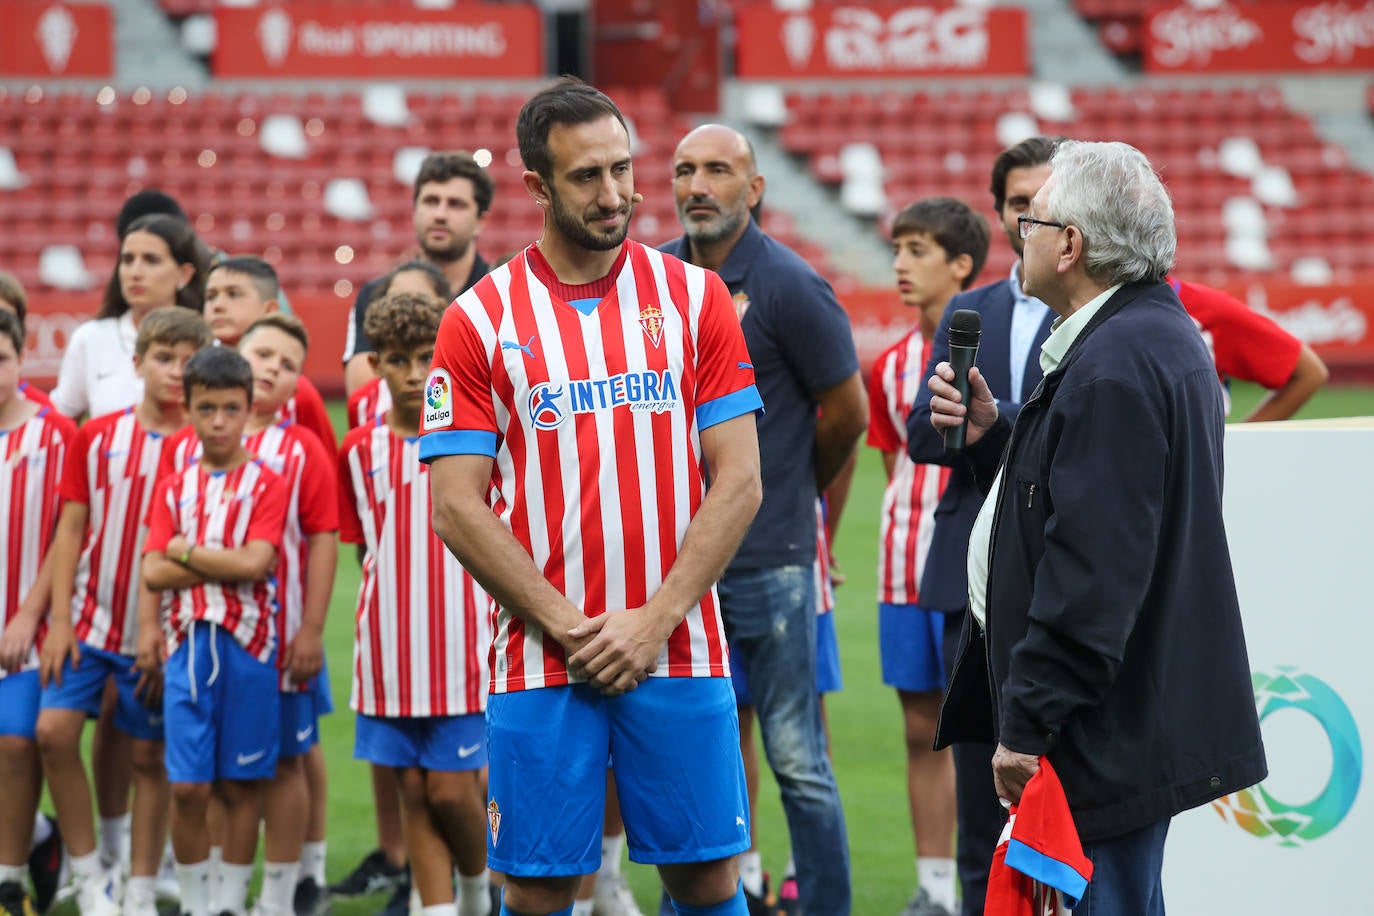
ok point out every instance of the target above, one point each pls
(791, 870)
(312, 862)
(231, 888)
(611, 847)
(216, 861)
(42, 829)
(85, 867)
(582, 908)
(195, 888)
(140, 894)
(474, 894)
(15, 873)
(416, 904)
(279, 887)
(936, 875)
(114, 840)
(440, 909)
(751, 872)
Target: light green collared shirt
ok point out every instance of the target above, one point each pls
(1063, 333)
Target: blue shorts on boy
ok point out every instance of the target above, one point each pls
(222, 709)
(448, 744)
(19, 703)
(828, 677)
(299, 725)
(910, 642)
(678, 771)
(322, 692)
(83, 688)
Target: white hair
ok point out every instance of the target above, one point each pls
(1112, 195)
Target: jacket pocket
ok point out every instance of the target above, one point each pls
(1028, 494)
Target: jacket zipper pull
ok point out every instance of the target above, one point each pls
(1030, 495)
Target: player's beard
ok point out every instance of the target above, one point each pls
(575, 227)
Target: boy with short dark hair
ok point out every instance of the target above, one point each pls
(33, 447)
(239, 291)
(214, 535)
(93, 633)
(939, 244)
(423, 626)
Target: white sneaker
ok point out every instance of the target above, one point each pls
(613, 897)
(99, 895)
(168, 887)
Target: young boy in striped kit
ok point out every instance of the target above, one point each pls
(424, 626)
(214, 535)
(93, 633)
(33, 446)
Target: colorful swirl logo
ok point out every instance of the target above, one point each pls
(1259, 813)
(436, 392)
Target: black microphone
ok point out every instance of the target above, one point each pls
(965, 327)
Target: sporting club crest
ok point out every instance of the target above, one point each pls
(651, 320)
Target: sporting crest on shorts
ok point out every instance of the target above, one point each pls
(741, 300)
(651, 320)
(494, 819)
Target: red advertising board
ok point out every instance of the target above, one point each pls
(55, 39)
(317, 39)
(1262, 37)
(867, 41)
(1336, 321)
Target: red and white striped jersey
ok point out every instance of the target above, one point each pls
(221, 510)
(825, 587)
(423, 623)
(30, 391)
(369, 401)
(300, 460)
(111, 469)
(908, 513)
(306, 409)
(593, 416)
(33, 454)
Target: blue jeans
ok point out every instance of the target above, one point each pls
(770, 621)
(1126, 874)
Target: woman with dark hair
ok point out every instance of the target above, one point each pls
(161, 262)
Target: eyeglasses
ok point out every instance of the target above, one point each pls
(1026, 224)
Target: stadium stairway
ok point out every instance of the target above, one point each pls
(1337, 108)
(856, 251)
(148, 48)
(1065, 48)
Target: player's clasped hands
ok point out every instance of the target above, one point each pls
(618, 650)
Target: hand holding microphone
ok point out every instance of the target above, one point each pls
(962, 406)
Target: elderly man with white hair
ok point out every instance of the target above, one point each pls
(1101, 593)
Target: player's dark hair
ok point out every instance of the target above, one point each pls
(952, 224)
(13, 328)
(287, 324)
(12, 291)
(169, 326)
(443, 166)
(146, 203)
(403, 321)
(218, 369)
(263, 275)
(437, 280)
(568, 101)
(185, 248)
(1024, 155)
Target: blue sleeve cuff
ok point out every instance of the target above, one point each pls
(457, 442)
(727, 407)
(1040, 867)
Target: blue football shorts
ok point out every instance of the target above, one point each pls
(910, 644)
(447, 744)
(83, 688)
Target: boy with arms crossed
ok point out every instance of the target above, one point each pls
(214, 533)
(420, 652)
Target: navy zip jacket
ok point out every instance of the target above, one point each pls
(1113, 640)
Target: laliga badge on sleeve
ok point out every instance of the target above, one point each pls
(438, 400)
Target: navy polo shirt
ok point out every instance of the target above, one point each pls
(800, 342)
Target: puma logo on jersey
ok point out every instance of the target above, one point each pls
(527, 347)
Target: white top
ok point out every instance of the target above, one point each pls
(1063, 333)
(97, 374)
(1026, 314)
